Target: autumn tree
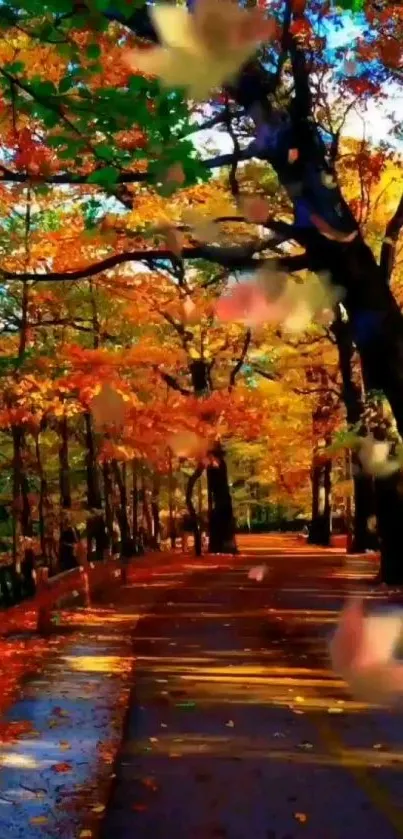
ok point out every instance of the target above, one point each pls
(97, 123)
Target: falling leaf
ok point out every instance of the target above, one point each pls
(203, 228)
(98, 809)
(255, 208)
(330, 232)
(374, 457)
(363, 652)
(174, 239)
(190, 311)
(108, 408)
(187, 444)
(230, 724)
(293, 155)
(258, 573)
(202, 50)
(175, 174)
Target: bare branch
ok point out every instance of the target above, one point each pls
(172, 382)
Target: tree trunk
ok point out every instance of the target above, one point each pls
(171, 520)
(23, 510)
(64, 467)
(108, 495)
(146, 509)
(390, 526)
(320, 528)
(126, 545)
(194, 521)
(155, 510)
(135, 505)
(221, 516)
(43, 493)
(96, 533)
(364, 490)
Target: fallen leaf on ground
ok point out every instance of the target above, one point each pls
(258, 573)
(38, 820)
(301, 817)
(62, 768)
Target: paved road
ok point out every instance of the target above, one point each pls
(237, 727)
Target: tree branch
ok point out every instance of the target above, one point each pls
(230, 257)
(172, 382)
(388, 250)
(236, 369)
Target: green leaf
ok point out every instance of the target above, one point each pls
(49, 118)
(104, 151)
(93, 51)
(15, 67)
(66, 84)
(106, 177)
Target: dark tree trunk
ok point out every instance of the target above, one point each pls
(135, 504)
(108, 495)
(171, 520)
(96, 532)
(64, 467)
(43, 500)
(22, 511)
(320, 527)
(121, 512)
(364, 490)
(194, 521)
(221, 516)
(146, 510)
(155, 510)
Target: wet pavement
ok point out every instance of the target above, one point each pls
(237, 727)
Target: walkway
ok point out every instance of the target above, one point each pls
(237, 729)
